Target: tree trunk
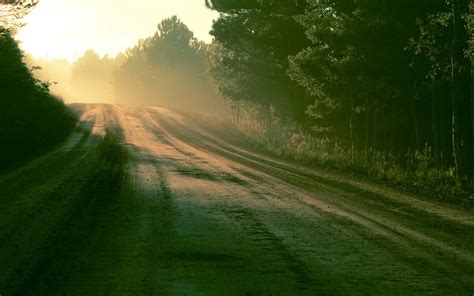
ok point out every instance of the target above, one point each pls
(471, 98)
(435, 122)
(236, 112)
(455, 139)
(471, 56)
(415, 123)
(351, 121)
(471, 137)
(374, 137)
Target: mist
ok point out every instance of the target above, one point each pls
(168, 69)
(85, 80)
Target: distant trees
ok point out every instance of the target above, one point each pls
(87, 79)
(377, 76)
(91, 77)
(167, 69)
(56, 72)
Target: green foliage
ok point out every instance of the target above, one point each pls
(379, 77)
(31, 121)
(253, 42)
(417, 172)
(470, 22)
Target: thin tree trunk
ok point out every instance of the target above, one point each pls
(471, 59)
(237, 113)
(435, 123)
(366, 136)
(471, 56)
(351, 123)
(454, 101)
(374, 137)
(385, 134)
(415, 123)
(471, 137)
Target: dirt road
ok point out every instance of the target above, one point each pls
(180, 211)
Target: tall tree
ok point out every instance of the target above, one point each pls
(357, 68)
(254, 40)
(167, 69)
(443, 38)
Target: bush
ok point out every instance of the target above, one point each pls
(31, 120)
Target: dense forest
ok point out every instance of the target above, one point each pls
(381, 87)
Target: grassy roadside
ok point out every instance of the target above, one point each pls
(417, 175)
(57, 227)
(32, 121)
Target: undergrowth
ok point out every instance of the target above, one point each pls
(415, 172)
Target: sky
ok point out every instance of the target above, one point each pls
(64, 29)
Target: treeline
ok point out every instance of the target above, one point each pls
(31, 120)
(169, 69)
(88, 79)
(375, 80)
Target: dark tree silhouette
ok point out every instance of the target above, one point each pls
(390, 78)
(31, 121)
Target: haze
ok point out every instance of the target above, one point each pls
(59, 29)
(77, 44)
(310, 147)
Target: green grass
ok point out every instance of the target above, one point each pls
(57, 225)
(416, 173)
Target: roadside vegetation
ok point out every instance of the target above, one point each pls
(380, 89)
(31, 119)
(85, 80)
(416, 173)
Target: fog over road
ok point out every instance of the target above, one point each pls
(192, 212)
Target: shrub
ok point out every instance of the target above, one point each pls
(31, 120)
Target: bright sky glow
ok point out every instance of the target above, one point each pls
(66, 28)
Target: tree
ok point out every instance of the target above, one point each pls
(375, 77)
(443, 39)
(356, 69)
(91, 77)
(168, 69)
(470, 53)
(31, 120)
(13, 11)
(253, 42)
